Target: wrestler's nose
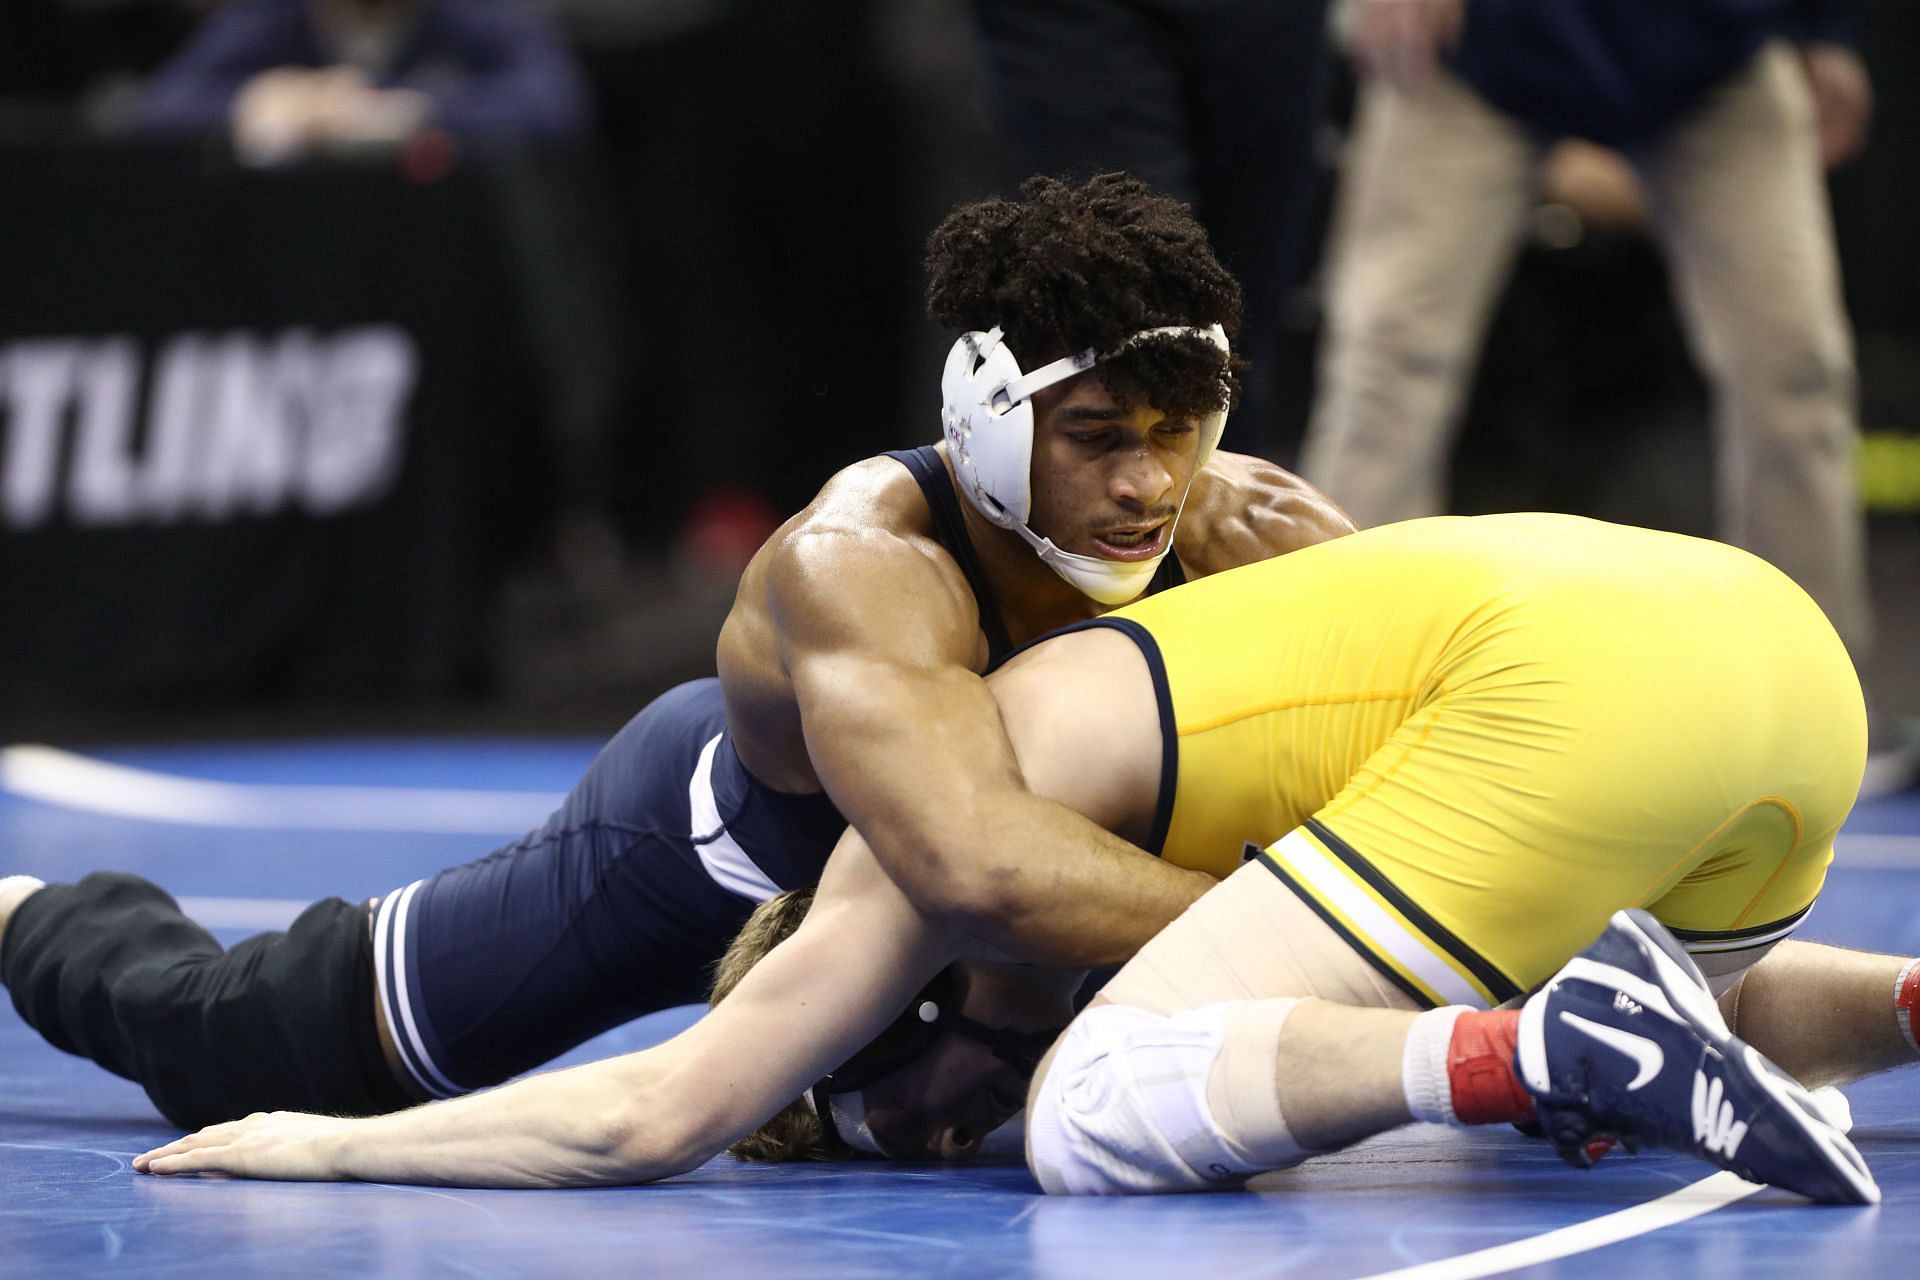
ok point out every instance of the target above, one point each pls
(1139, 478)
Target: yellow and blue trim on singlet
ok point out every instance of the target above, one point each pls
(1410, 948)
(1701, 942)
(1156, 841)
(1169, 733)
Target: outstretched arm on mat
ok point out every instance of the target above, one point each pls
(800, 1013)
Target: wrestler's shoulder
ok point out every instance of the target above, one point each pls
(1244, 509)
(873, 506)
(867, 529)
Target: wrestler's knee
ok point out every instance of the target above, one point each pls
(1124, 1107)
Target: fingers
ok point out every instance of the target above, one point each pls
(283, 1145)
(221, 1159)
(191, 1153)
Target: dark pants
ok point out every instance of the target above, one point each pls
(109, 969)
(1214, 101)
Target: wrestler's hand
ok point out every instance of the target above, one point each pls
(284, 1146)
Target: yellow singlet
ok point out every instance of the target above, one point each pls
(1466, 741)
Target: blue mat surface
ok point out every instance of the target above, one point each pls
(1420, 1203)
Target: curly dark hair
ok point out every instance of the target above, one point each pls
(1066, 268)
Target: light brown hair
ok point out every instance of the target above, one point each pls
(796, 1133)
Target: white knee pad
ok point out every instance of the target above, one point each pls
(1123, 1109)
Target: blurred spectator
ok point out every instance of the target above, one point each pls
(1214, 101)
(288, 77)
(1728, 127)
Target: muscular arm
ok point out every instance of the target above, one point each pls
(1245, 509)
(878, 635)
(814, 1000)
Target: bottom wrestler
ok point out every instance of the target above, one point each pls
(1479, 739)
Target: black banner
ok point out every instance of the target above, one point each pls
(259, 432)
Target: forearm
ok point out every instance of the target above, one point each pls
(1052, 888)
(584, 1127)
(552, 1130)
(1824, 1014)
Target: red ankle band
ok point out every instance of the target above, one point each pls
(1480, 1069)
(1906, 1004)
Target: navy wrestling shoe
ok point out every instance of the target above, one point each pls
(1627, 1042)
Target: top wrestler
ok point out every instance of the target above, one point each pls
(1082, 404)
(1475, 741)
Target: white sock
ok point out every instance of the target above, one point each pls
(9, 883)
(1423, 1071)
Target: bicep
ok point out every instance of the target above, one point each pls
(899, 742)
(899, 728)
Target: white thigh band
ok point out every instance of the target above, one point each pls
(1124, 1108)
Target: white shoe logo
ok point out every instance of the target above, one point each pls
(1713, 1124)
(1645, 1053)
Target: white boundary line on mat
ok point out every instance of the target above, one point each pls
(56, 777)
(255, 915)
(1876, 852)
(1690, 1201)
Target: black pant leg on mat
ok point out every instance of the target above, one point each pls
(110, 969)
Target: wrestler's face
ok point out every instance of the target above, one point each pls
(1107, 481)
(940, 1105)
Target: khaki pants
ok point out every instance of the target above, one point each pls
(1437, 193)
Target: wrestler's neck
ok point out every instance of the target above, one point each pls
(1033, 599)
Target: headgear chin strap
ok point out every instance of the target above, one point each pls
(845, 1114)
(839, 1101)
(987, 417)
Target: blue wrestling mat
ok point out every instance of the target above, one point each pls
(248, 835)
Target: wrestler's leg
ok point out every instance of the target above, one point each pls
(599, 916)
(1825, 1014)
(1132, 1101)
(109, 968)
(1740, 205)
(1247, 1036)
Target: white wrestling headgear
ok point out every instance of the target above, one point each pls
(987, 417)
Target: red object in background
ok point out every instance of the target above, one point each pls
(726, 527)
(429, 156)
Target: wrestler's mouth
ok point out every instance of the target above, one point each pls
(1138, 542)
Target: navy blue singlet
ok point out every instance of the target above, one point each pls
(620, 904)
